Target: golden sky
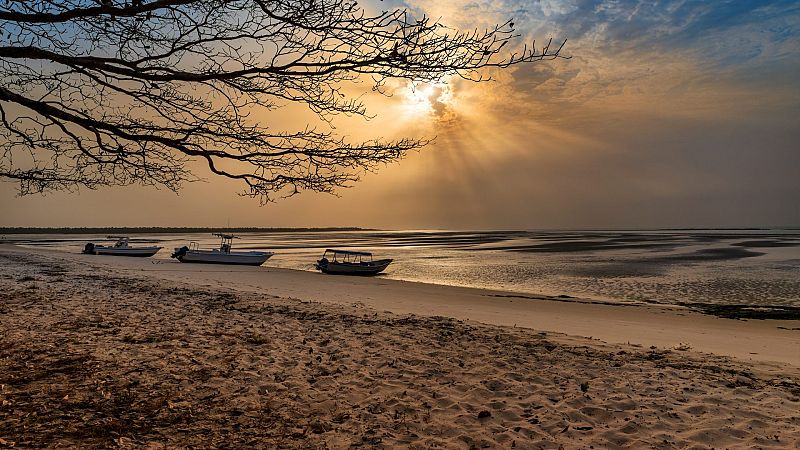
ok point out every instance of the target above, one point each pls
(676, 114)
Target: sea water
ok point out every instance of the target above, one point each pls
(752, 267)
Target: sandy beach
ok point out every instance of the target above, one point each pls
(100, 352)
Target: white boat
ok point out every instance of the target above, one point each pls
(346, 262)
(120, 248)
(222, 255)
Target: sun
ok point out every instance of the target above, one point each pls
(423, 99)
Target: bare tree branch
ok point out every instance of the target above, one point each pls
(117, 92)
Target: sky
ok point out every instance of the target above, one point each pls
(668, 114)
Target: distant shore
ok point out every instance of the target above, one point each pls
(167, 230)
(171, 230)
(99, 352)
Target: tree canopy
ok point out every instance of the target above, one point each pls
(118, 92)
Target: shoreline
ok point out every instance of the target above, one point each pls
(644, 324)
(693, 269)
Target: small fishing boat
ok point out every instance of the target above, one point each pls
(120, 248)
(222, 255)
(346, 262)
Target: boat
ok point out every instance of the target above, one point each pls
(222, 255)
(347, 262)
(120, 248)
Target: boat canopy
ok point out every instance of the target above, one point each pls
(225, 236)
(348, 252)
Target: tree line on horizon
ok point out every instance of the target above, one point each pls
(167, 230)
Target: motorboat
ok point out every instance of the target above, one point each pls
(120, 248)
(222, 255)
(347, 262)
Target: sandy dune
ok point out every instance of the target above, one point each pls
(97, 356)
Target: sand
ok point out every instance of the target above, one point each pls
(641, 324)
(114, 352)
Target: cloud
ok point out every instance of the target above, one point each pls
(667, 113)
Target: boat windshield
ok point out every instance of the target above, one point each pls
(122, 241)
(227, 241)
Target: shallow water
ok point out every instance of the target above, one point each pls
(756, 267)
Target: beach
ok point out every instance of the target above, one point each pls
(100, 352)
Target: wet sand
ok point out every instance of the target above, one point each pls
(103, 352)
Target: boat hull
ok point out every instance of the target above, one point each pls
(365, 269)
(141, 252)
(234, 258)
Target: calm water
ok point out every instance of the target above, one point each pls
(758, 267)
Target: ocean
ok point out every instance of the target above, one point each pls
(758, 267)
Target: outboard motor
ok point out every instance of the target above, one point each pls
(88, 249)
(180, 252)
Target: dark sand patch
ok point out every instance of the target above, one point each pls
(709, 254)
(767, 244)
(732, 236)
(746, 311)
(562, 298)
(583, 246)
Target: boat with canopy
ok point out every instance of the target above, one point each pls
(348, 262)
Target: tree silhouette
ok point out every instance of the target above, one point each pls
(117, 92)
